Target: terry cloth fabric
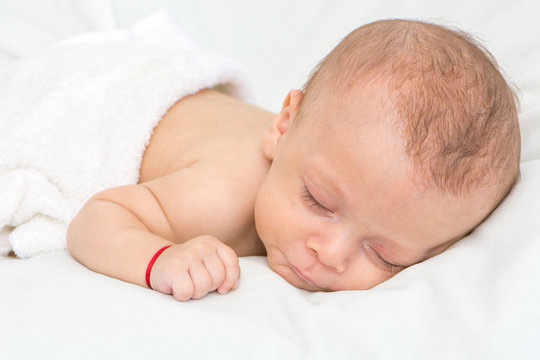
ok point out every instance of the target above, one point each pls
(75, 120)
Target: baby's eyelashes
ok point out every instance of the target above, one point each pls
(311, 201)
(381, 262)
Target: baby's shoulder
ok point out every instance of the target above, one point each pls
(206, 127)
(209, 197)
(204, 164)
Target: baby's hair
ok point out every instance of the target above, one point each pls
(456, 111)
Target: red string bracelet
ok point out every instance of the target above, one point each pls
(151, 264)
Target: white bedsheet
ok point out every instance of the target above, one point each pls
(478, 300)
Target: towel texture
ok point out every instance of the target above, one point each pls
(76, 118)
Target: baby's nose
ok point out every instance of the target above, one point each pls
(333, 252)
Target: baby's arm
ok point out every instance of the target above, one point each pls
(119, 230)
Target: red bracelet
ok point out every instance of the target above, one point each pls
(151, 264)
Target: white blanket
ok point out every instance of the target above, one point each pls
(75, 120)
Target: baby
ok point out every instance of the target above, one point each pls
(403, 140)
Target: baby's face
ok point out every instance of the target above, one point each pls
(339, 209)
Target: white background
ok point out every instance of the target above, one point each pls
(279, 41)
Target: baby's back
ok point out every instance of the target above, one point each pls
(205, 159)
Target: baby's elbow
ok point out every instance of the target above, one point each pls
(75, 234)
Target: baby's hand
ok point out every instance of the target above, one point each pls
(193, 269)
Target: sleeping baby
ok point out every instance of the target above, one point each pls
(404, 139)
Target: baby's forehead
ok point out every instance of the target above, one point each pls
(365, 109)
(353, 143)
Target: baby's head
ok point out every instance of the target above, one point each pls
(404, 139)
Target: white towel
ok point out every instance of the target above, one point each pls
(76, 119)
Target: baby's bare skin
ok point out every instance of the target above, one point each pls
(213, 141)
(198, 181)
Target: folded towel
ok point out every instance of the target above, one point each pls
(75, 120)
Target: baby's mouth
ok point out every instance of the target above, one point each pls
(309, 282)
(303, 276)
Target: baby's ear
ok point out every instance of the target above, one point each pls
(281, 123)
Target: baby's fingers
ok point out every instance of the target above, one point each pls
(182, 289)
(201, 279)
(216, 269)
(232, 269)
